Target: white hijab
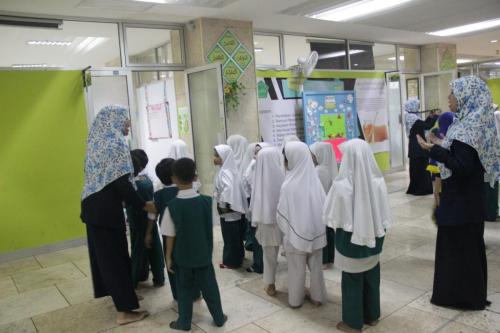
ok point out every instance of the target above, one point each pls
(228, 187)
(178, 150)
(358, 201)
(249, 174)
(239, 145)
(327, 163)
(301, 201)
(288, 138)
(269, 177)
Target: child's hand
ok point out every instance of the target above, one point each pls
(150, 207)
(424, 144)
(169, 265)
(148, 241)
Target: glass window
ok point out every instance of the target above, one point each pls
(153, 46)
(409, 59)
(489, 70)
(76, 44)
(372, 56)
(295, 46)
(332, 53)
(267, 50)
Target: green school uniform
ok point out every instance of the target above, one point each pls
(192, 256)
(141, 257)
(360, 291)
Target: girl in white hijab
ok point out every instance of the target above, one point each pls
(327, 171)
(231, 205)
(178, 149)
(299, 218)
(357, 208)
(239, 145)
(269, 177)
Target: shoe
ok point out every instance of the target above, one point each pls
(372, 323)
(222, 266)
(346, 328)
(220, 325)
(271, 290)
(173, 325)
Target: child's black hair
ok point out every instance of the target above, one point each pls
(164, 171)
(185, 170)
(139, 160)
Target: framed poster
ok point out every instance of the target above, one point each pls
(158, 111)
(413, 88)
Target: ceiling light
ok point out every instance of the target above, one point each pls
(356, 65)
(463, 29)
(463, 61)
(152, 1)
(402, 58)
(29, 65)
(494, 41)
(259, 49)
(48, 43)
(356, 10)
(338, 54)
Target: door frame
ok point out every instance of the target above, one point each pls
(453, 73)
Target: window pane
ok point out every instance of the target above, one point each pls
(489, 70)
(76, 44)
(146, 46)
(267, 50)
(369, 56)
(332, 54)
(409, 59)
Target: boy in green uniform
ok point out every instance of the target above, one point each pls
(187, 223)
(141, 225)
(357, 207)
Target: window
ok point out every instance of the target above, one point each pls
(153, 46)
(267, 50)
(409, 59)
(76, 44)
(332, 53)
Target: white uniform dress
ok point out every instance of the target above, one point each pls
(299, 216)
(269, 177)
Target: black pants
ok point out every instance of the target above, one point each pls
(233, 234)
(110, 266)
(461, 272)
(420, 178)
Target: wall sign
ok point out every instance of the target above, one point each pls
(232, 54)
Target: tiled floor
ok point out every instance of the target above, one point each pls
(52, 293)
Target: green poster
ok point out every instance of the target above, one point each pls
(229, 42)
(242, 57)
(218, 54)
(231, 72)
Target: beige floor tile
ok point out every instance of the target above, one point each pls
(94, 316)
(7, 287)
(18, 266)
(483, 320)
(156, 323)
(30, 304)
(423, 303)
(156, 299)
(394, 296)
(77, 291)
(410, 235)
(408, 320)
(455, 327)
(241, 307)
(257, 287)
(393, 249)
(47, 277)
(249, 329)
(63, 256)
(409, 271)
(83, 265)
(21, 326)
(494, 276)
(426, 252)
(411, 210)
(494, 256)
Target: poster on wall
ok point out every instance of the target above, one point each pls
(281, 108)
(158, 111)
(330, 117)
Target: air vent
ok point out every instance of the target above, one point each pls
(200, 3)
(30, 22)
(311, 6)
(118, 5)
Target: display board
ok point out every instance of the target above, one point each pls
(158, 110)
(330, 117)
(44, 129)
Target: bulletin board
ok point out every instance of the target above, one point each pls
(44, 129)
(331, 117)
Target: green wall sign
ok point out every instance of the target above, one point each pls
(232, 54)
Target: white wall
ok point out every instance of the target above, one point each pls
(295, 46)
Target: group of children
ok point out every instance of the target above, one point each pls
(267, 198)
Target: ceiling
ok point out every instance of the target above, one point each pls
(406, 24)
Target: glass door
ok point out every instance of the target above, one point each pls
(395, 121)
(206, 104)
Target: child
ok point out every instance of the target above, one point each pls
(140, 226)
(299, 218)
(231, 205)
(269, 177)
(357, 208)
(327, 171)
(187, 223)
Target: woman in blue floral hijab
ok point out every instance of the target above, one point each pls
(469, 157)
(108, 183)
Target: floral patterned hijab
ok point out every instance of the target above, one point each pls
(108, 155)
(411, 106)
(474, 125)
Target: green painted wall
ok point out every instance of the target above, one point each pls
(43, 132)
(494, 85)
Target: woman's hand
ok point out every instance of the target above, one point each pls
(150, 207)
(424, 144)
(435, 140)
(169, 263)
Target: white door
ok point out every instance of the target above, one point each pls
(396, 140)
(206, 104)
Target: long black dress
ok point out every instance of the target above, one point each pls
(110, 265)
(420, 178)
(460, 276)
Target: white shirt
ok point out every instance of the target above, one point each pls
(167, 224)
